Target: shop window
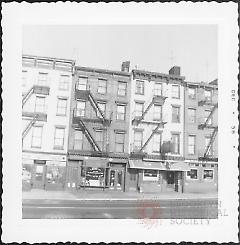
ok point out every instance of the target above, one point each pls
(119, 143)
(122, 89)
(59, 138)
(139, 87)
(151, 175)
(157, 113)
(158, 89)
(61, 107)
(175, 114)
(55, 175)
(64, 82)
(191, 115)
(82, 83)
(192, 174)
(208, 174)
(176, 91)
(102, 86)
(121, 111)
(37, 136)
(138, 109)
(80, 108)
(40, 104)
(212, 165)
(191, 93)
(27, 173)
(78, 140)
(191, 144)
(175, 143)
(92, 176)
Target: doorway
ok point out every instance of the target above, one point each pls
(170, 181)
(39, 175)
(116, 179)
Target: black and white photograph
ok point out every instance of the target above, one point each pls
(123, 122)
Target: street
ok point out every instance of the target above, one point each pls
(120, 209)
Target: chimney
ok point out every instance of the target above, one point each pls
(125, 66)
(175, 70)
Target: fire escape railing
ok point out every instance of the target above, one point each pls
(212, 138)
(205, 124)
(29, 126)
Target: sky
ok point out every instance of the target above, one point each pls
(147, 47)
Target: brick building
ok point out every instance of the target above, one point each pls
(46, 92)
(156, 161)
(201, 139)
(99, 129)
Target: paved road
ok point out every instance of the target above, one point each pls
(121, 209)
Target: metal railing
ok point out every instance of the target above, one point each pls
(91, 114)
(136, 115)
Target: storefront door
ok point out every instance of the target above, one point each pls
(116, 181)
(39, 176)
(170, 181)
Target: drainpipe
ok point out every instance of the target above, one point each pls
(184, 132)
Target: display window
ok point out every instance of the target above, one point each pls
(150, 175)
(192, 174)
(208, 174)
(55, 174)
(93, 176)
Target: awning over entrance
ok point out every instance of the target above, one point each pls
(163, 165)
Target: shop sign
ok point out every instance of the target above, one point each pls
(55, 163)
(47, 157)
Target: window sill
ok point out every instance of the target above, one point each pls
(139, 93)
(61, 115)
(58, 148)
(176, 98)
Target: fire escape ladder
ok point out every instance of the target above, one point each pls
(210, 115)
(213, 136)
(146, 110)
(29, 126)
(96, 107)
(89, 136)
(26, 96)
(150, 137)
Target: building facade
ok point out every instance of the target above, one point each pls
(99, 129)
(201, 139)
(156, 161)
(46, 92)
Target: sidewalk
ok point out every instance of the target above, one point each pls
(111, 195)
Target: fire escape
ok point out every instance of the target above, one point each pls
(86, 95)
(206, 124)
(33, 116)
(158, 100)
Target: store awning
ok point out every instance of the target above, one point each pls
(159, 165)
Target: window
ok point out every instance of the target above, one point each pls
(59, 138)
(191, 144)
(206, 115)
(208, 174)
(37, 136)
(62, 106)
(175, 142)
(192, 174)
(158, 89)
(99, 138)
(24, 78)
(64, 82)
(151, 175)
(191, 115)
(191, 93)
(42, 78)
(121, 110)
(176, 91)
(207, 141)
(139, 87)
(175, 114)
(102, 107)
(80, 108)
(40, 104)
(138, 140)
(102, 86)
(122, 88)
(82, 83)
(78, 140)
(208, 94)
(138, 109)
(119, 143)
(157, 143)
(157, 112)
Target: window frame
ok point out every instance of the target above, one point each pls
(120, 89)
(211, 151)
(134, 140)
(43, 82)
(41, 105)
(142, 88)
(118, 113)
(151, 178)
(179, 114)
(137, 112)
(59, 147)
(160, 143)
(194, 145)
(100, 142)
(79, 84)
(64, 82)
(173, 92)
(154, 112)
(208, 180)
(190, 96)
(101, 87)
(189, 177)
(77, 140)
(122, 144)
(65, 111)
(40, 137)
(155, 89)
(195, 113)
(178, 152)
(80, 109)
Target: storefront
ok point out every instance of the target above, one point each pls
(95, 172)
(202, 177)
(43, 171)
(159, 176)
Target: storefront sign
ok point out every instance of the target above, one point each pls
(94, 176)
(47, 157)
